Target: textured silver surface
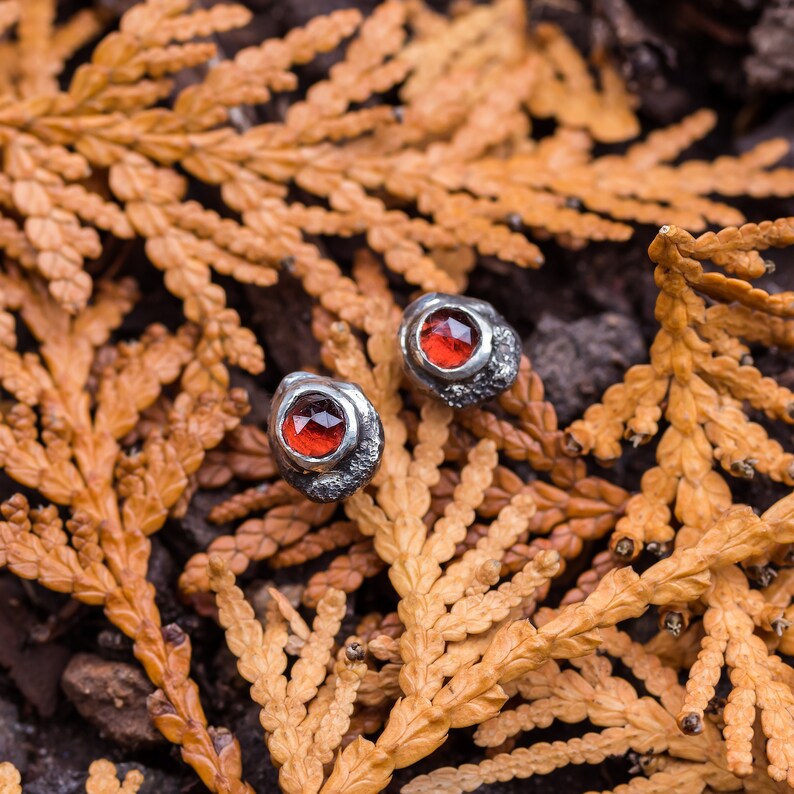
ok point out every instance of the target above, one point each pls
(492, 368)
(352, 465)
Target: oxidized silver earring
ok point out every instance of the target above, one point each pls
(326, 436)
(460, 350)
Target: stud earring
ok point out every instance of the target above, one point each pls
(459, 349)
(326, 436)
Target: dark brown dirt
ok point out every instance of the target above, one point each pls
(610, 342)
(584, 317)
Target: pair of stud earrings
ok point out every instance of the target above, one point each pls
(326, 436)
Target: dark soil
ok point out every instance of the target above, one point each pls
(68, 691)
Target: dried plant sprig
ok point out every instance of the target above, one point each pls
(463, 638)
(590, 692)
(734, 614)
(244, 454)
(458, 149)
(419, 722)
(576, 509)
(63, 438)
(700, 381)
(103, 779)
(470, 549)
(291, 530)
(10, 779)
(41, 48)
(519, 647)
(574, 505)
(258, 539)
(698, 372)
(305, 715)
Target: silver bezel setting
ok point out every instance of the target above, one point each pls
(295, 387)
(479, 358)
(492, 368)
(349, 467)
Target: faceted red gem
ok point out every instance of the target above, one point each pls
(314, 426)
(449, 338)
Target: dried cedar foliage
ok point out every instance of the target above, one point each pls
(102, 779)
(101, 155)
(113, 435)
(464, 645)
(700, 380)
(67, 434)
(642, 727)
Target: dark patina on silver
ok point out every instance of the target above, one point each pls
(352, 464)
(492, 367)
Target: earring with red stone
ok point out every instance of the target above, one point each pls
(326, 436)
(459, 349)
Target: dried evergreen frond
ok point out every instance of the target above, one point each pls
(33, 60)
(75, 401)
(698, 380)
(102, 779)
(420, 141)
(465, 638)
(701, 381)
(10, 780)
(305, 715)
(456, 159)
(244, 454)
(735, 622)
(573, 507)
(589, 692)
(291, 531)
(455, 662)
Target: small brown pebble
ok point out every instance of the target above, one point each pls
(112, 696)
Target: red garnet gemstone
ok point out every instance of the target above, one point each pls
(314, 426)
(449, 338)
